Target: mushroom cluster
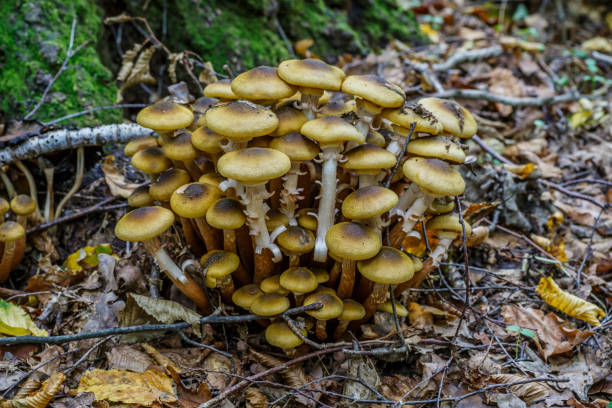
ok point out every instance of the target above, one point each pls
(286, 181)
(13, 233)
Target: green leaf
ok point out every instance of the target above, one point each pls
(520, 13)
(528, 333)
(563, 81)
(591, 65)
(513, 328)
(539, 123)
(580, 53)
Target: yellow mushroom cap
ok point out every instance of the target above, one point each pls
(4, 207)
(193, 200)
(454, 118)
(331, 130)
(434, 176)
(136, 145)
(296, 240)
(221, 89)
(337, 108)
(376, 138)
(347, 240)
(245, 295)
(298, 280)
(436, 147)
(166, 183)
(289, 120)
(321, 274)
(253, 165)
(165, 116)
(212, 179)
(144, 223)
(140, 197)
(241, 120)
(296, 146)
(352, 310)
(275, 219)
(307, 219)
(368, 202)
(206, 140)
(151, 160)
(390, 266)
(368, 159)
(440, 205)
(271, 284)
(405, 116)
(279, 334)
(332, 306)
(22, 204)
(218, 263)
(448, 223)
(225, 213)
(261, 83)
(180, 148)
(11, 231)
(388, 307)
(311, 73)
(374, 89)
(269, 304)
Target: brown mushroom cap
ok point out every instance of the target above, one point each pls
(296, 146)
(202, 104)
(225, 213)
(241, 120)
(436, 147)
(448, 223)
(193, 200)
(11, 231)
(296, 240)
(388, 307)
(221, 89)
(144, 223)
(167, 182)
(4, 207)
(275, 219)
(140, 197)
(206, 140)
(331, 130)
(368, 202)
(245, 295)
(368, 159)
(22, 204)
(298, 280)
(405, 116)
(347, 240)
(454, 118)
(269, 304)
(332, 306)
(321, 274)
(279, 334)
(352, 310)
(434, 176)
(165, 116)
(180, 147)
(261, 83)
(212, 179)
(337, 108)
(390, 266)
(374, 89)
(151, 160)
(136, 145)
(271, 284)
(307, 219)
(218, 263)
(311, 73)
(289, 120)
(253, 165)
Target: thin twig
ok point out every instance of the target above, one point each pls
(84, 356)
(509, 100)
(490, 151)
(91, 110)
(589, 250)
(206, 346)
(401, 155)
(78, 180)
(574, 194)
(78, 214)
(471, 55)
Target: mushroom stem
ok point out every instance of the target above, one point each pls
(340, 329)
(208, 234)
(363, 125)
(327, 201)
(229, 244)
(256, 210)
(8, 184)
(226, 286)
(18, 252)
(366, 180)
(309, 101)
(347, 279)
(8, 255)
(445, 240)
(290, 194)
(299, 299)
(416, 211)
(78, 180)
(182, 281)
(334, 274)
(31, 183)
(294, 260)
(48, 210)
(405, 200)
(378, 296)
(321, 329)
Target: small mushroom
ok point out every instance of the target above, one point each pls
(279, 334)
(272, 285)
(244, 296)
(351, 311)
(23, 205)
(298, 281)
(454, 118)
(221, 90)
(140, 197)
(269, 304)
(400, 120)
(12, 238)
(367, 161)
(262, 85)
(220, 265)
(151, 161)
(331, 309)
(447, 228)
(368, 204)
(136, 145)
(296, 241)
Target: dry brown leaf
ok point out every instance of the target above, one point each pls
(136, 72)
(521, 170)
(121, 18)
(553, 331)
(528, 392)
(126, 357)
(127, 61)
(115, 181)
(255, 398)
(41, 397)
(215, 366)
(173, 59)
(293, 375)
(418, 317)
(160, 358)
(569, 304)
(207, 75)
(145, 388)
(187, 397)
(503, 82)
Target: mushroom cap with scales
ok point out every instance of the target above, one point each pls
(193, 200)
(374, 89)
(434, 176)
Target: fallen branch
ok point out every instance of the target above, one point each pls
(63, 139)
(509, 100)
(574, 194)
(471, 55)
(78, 214)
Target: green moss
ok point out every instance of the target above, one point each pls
(385, 20)
(34, 37)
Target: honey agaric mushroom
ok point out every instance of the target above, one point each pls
(221, 90)
(296, 241)
(321, 274)
(373, 94)
(332, 308)
(4, 207)
(250, 169)
(136, 145)
(269, 304)
(454, 118)
(387, 307)
(367, 204)
(367, 161)
(349, 242)
(244, 296)
(299, 149)
(389, 267)
(435, 178)
(351, 311)
(180, 149)
(140, 197)
(298, 280)
(12, 238)
(212, 179)
(239, 122)
(165, 117)
(220, 265)
(436, 147)
(447, 227)
(312, 77)
(151, 161)
(338, 108)
(192, 201)
(279, 334)
(331, 133)
(146, 224)
(440, 205)
(289, 120)
(262, 85)
(272, 285)
(23, 205)
(199, 108)
(167, 182)
(208, 142)
(306, 218)
(401, 119)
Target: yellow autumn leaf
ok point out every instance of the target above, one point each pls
(579, 118)
(39, 398)
(87, 257)
(146, 388)
(569, 304)
(521, 170)
(14, 321)
(428, 30)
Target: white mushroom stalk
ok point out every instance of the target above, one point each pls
(309, 101)
(291, 194)
(445, 238)
(416, 211)
(329, 156)
(366, 112)
(398, 138)
(406, 198)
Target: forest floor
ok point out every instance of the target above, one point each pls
(540, 182)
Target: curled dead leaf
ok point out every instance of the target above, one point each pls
(116, 182)
(14, 321)
(569, 304)
(528, 392)
(255, 398)
(160, 359)
(39, 398)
